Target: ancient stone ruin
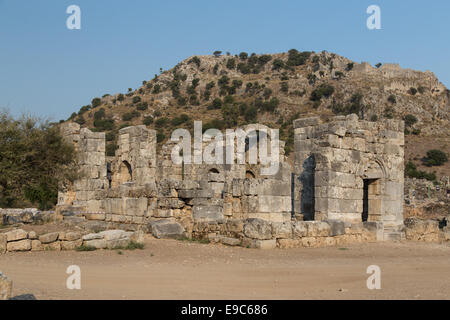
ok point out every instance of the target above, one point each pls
(346, 185)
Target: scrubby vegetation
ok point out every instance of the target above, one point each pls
(34, 160)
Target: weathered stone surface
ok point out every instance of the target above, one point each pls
(3, 242)
(421, 230)
(15, 235)
(113, 234)
(71, 245)
(5, 287)
(32, 235)
(138, 237)
(230, 241)
(21, 245)
(318, 229)
(282, 230)
(299, 229)
(92, 236)
(336, 227)
(167, 229)
(36, 245)
(49, 237)
(258, 229)
(96, 243)
(53, 246)
(72, 236)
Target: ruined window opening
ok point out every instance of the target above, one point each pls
(109, 174)
(126, 173)
(249, 175)
(213, 170)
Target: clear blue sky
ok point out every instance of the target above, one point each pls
(50, 71)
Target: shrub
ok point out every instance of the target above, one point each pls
(435, 158)
(111, 149)
(85, 248)
(35, 159)
(251, 114)
(80, 120)
(350, 66)
(296, 58)
(392, 99)
(136, 99)
(120, 97)
(179, 120)
(243, 55)
(147, 121)
(412, 91)
(378, 65)
(284, 87)
(195, 60)
(160, 136)
(104, 124)
(100, 114)
(217, 53)
(231, 63)
(156, 89)
(374, 118)
(410, 120)
(324, 90)
(84, 109)
(421, 89)
(110, 136)
(96, 102)
(161, 122)
(277, 64)
(143, 106)
(244, 68)
(216, 104)
(412, 172)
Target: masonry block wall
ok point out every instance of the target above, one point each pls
(350, 170)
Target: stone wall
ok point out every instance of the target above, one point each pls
(350, 170)
(19, 240)
(345, 171)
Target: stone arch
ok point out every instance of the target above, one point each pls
(125, 172)
(249, 174)
(214, 170)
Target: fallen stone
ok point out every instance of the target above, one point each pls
(49, 237)
(71, 245)
(32, 235)
(96, 243)
(36, 245)
(54, 246)
(113, 234)
(230, 241)
(21, 245)
(258, 229)
(167, 229)
(3, 242)
(5, 287)
(16, 235)
(92, 236)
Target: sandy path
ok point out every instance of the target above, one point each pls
(169, 269)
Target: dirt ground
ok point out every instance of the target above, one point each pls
(170, 269)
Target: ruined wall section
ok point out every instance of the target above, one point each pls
(348, 153)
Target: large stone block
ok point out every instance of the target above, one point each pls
(49, 237)
(5, 287)
(258, 229)
(336, 227)
(21, 245)
(3, 242)
(16, 235)
(207, 213)
(282, 230)
(166, 229)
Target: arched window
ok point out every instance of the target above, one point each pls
(249, 175)
(125, 172)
